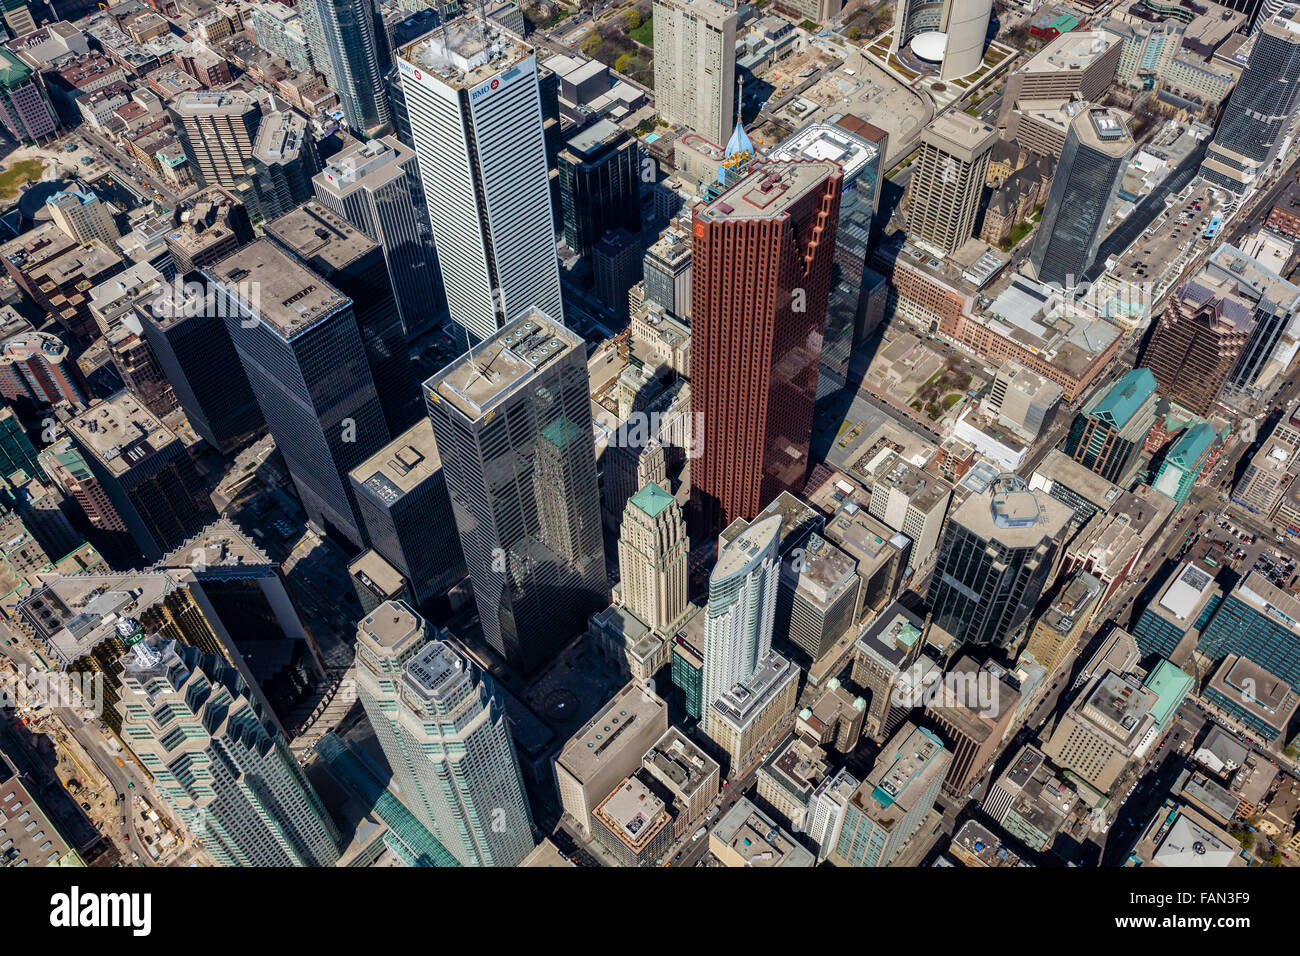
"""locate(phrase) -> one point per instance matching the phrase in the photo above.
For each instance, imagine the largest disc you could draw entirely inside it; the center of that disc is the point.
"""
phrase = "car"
(86, 807)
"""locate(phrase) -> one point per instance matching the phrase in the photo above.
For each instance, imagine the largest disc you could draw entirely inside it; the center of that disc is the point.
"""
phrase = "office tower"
(817, 596)
(215, 225)
(344, 46)
(1180, 612)
(755, 355)
(476, 118)
(1270, 473)
(17, 453)
(1184, 462)
(1103, 728)
(1021, 400)
(951, 37)
(518, 406)
(971, 708)
(354, 264)
(67, 468)
(376, 186)
(1108, 433)
(1082, 197)
(25, 108)
(218, 761)
(146, 473)
(847, 322)
(1258, 621)
(695, 66)
(83, 216)
(909, 500)
(595, 760)
(375, 581)
(401, 494)
(827, 806)
(886, 649)
(298, 340)
(652, 553)
(1059, 629)
(616, 262)
(189, 338)
(887, 809)
(741, 610)
(995, 559)
(284, 161)
(442, 727)
(686, 772)
(600, 185)
(1276, 304)
(1029, 800)
(1197, 342)
(36, 366)
(218, 130)
(666, 271)
(1260, 108)
(947, 181)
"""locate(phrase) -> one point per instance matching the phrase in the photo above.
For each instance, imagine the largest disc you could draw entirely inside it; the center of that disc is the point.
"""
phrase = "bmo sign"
(488, 87)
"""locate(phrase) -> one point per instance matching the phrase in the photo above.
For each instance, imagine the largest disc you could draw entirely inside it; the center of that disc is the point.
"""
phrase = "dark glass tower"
(354, 264)
(299, 343)
(194, 350)
(599, 185)
(1096, 152)
(401, 494)
(994, 561)
(512, 419)
(1260, 108)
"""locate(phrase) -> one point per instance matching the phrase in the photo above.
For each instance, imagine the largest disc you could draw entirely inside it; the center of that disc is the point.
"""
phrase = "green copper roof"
(1192, 445)
(1123, 399)
(12, 70)
(1170, 685)
(652, 500)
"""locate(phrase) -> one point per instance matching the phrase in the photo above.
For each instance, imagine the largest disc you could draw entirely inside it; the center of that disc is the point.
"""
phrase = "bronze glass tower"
(761, 270)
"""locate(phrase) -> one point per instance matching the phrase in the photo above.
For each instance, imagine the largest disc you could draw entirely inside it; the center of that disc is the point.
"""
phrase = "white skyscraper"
(742, 606)
(443, 731)
(476, 119)
(695, 66)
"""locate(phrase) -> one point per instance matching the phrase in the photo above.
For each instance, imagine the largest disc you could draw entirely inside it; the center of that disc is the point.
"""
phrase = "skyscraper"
(1261, 107)
(742, 607)
(890, 805)
(512, 419)
(444, 733)
(1082, 197)
(1198, 341)
(695, 65)
(218, 130)
(349, 259)
(652, 555)
(376, 186)
(476, 118)
(218, 761)
(994, 561)
(401, 494)
(146, 473)
(298, 341)
(760, 277)
(600, 185)
(1276, 304)
(194, 350)
(83, 216)
(284, 161)
(1107, 434)
(947, 181)
(345, 47)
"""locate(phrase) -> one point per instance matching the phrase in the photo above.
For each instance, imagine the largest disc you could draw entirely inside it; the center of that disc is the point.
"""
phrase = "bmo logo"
(485, 89)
